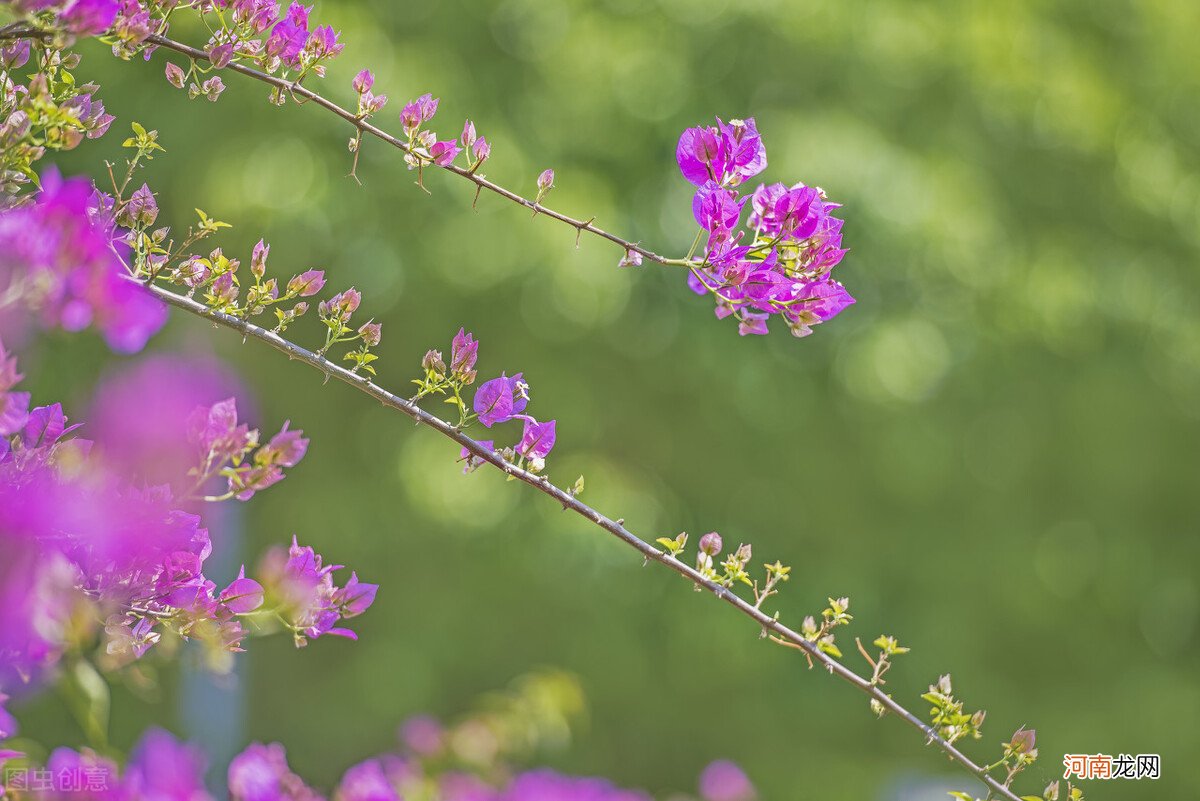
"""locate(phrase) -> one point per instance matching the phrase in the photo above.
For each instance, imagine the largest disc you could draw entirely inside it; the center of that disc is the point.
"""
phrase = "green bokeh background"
(993, 453)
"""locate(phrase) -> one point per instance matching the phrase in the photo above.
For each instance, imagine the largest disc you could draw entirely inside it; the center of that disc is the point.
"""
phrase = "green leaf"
(830, 649)
(138, 129)
(669, 543)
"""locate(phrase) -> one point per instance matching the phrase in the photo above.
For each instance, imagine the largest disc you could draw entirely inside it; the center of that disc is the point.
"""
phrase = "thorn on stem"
(580, 228)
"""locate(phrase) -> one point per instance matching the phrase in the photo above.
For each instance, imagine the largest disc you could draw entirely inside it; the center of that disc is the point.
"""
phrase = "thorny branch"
(361, 124)
(768, 623)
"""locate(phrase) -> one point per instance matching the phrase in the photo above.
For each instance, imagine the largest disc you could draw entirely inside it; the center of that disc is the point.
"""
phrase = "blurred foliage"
(993, 453)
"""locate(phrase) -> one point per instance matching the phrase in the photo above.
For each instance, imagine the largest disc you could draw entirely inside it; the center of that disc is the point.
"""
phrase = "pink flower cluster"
(231, 450)
(58, 257)
(785, 267)
(81, 547)
(161, 766)
(302, 592)
(426, 761)
(80, 17)
(273, 38)
(424, 146)
(496, 401)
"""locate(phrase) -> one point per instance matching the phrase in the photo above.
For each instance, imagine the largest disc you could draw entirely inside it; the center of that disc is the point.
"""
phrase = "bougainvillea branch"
(482, 452)
(79, 255)
(358, 121)
(785, 269)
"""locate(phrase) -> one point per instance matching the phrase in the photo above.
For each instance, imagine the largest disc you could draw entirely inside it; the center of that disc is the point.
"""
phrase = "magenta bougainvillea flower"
(464, 352)
(14, 406)
(537, 439)
(152, 446)
(501, 399)
(727, 154)
(301, 587)
(725, 781)
(444, 152)
(368, 781)
(716, 208)
(58, 245)
(290, 35)
(75, 534)
(160, 766)
(89, 17)
(261, 773)
(418, 112)
(795, 240)
(223, 447)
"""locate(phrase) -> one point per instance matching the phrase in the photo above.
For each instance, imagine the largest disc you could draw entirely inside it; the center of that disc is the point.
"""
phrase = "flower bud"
(258, 259)
(743, 553)
(545, 181)
(224, 290)
(15, 54)
(372, 103)
(1023, 741)
(348, 301)
(444, 153)
(220, 55)
(464, 351)
(710, 543)
(15, 127)
(432, 363)
(213, 87)
(410, 118)
(631, 259)
(306, 284)
(417, 112)
(194, 271)
(363, 82)
(371, 333)
(482, 149)
(141, 209)
(468, 135)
